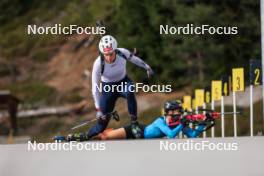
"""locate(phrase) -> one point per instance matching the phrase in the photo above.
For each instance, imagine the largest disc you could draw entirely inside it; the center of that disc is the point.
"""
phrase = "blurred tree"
(189, 59)
(183, 59)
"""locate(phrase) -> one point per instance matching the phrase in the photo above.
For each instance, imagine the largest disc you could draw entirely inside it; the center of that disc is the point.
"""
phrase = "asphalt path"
(218, 156)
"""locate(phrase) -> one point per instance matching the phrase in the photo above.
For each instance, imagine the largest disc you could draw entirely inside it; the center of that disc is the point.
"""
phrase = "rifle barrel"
(229, 113)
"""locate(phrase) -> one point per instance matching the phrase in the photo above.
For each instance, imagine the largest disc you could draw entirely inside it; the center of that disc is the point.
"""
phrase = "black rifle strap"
(118, 52)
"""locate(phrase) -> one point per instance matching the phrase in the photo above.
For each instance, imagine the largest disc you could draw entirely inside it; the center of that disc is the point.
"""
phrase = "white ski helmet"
(107, 44)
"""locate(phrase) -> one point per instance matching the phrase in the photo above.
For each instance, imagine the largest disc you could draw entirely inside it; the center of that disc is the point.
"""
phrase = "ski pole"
(113, 114)
(83, 124)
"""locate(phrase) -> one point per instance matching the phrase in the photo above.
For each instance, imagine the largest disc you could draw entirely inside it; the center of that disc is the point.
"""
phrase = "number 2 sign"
(255, 72)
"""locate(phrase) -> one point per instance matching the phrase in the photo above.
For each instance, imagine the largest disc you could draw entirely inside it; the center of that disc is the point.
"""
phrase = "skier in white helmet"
(110, 69)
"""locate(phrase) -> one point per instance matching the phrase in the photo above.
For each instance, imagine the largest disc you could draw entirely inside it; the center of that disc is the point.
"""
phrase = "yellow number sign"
(216, 90)
(187, 102)
(238, 79)
(199, 97)
(207, 92)
(255, 72)
(225, 85)
(193, 103)
(162, 111)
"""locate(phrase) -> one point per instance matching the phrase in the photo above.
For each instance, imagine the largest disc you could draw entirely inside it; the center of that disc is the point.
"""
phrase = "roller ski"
(79, 137)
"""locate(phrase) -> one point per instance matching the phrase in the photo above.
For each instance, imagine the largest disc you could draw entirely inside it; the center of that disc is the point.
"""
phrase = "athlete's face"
(170, 115)
(110, 57)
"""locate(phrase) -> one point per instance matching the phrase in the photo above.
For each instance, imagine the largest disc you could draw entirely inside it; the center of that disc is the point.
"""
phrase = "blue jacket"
(159, 129)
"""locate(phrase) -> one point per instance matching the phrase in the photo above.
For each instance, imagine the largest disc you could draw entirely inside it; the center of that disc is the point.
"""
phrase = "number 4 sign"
(225, 85)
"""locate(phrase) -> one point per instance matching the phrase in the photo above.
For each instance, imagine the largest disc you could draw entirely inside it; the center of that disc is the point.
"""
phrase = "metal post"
(191, 125)
(235, 116)
(212, 129)
(262, 52)
(180, 135)
(251, 110)
(222, 117)
(196, 110)
(204, 112)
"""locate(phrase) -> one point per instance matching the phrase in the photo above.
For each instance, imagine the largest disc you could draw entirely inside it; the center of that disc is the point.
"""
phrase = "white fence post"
(235, 116)
(222, 117)
(212, 129)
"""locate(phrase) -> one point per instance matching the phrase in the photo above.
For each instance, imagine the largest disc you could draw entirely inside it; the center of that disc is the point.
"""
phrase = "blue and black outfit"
(159, 129)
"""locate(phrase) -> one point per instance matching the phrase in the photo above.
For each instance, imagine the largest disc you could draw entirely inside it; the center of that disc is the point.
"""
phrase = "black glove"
(136, 130)
(208, 117)
(103, 118)
(184, 121)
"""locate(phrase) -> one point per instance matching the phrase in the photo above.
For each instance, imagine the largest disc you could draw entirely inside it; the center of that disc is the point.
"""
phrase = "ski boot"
(77, 137)
(59, 138)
